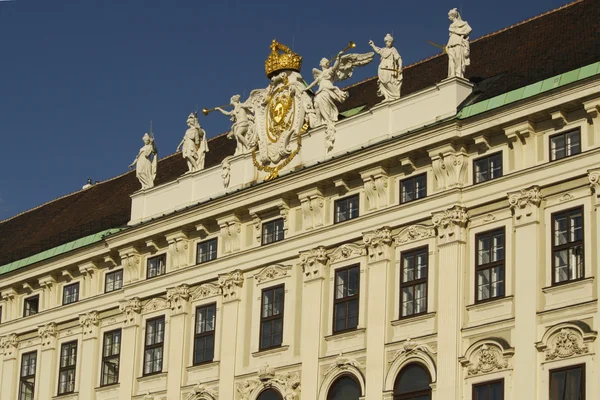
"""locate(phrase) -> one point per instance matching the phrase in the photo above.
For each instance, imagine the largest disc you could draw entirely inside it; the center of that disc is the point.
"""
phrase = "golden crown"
(280, 61)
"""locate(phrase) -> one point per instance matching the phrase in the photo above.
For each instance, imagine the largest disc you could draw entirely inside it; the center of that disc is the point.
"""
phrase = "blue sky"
(81, 79)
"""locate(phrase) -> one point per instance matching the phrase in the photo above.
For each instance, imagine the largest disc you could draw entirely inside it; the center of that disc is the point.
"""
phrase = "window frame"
(111, 357)
(263, 242)
(414, 282)
(155, 345)
(412, 179)
(568, 245)
(564, 133)
(106, 280)
(488, 157)
(487, 383)
(346, 299)
(207, 242)
(77, 288)
(204, 334)
(23, 378)
(346, 199)
(271, 318)
(156, 257)
(489, 265)
(566, 368)
(27, 300)
(67, 368)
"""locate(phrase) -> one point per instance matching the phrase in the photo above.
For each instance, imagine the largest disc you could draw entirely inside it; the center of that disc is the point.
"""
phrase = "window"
(156, 266)
(346, 209)
(27, 381)
(71, 293)
(272, 231)
(345, 303)
(565, 145)
(567, 246)
(31, 306)
(412, 383)
(271, 317)
(206, 251)
(68, 361)
(568, 383)
(153, 348)
(0, 315)
(489, 269)
(111, 351)
(270, 394)
(487, 168)
(113, 281)
(413, 282)
(344, 388)
(204, 336)
(489, 390)
(413, 188)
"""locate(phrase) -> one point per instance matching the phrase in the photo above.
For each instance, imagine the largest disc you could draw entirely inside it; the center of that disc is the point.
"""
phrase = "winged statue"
(328, 95)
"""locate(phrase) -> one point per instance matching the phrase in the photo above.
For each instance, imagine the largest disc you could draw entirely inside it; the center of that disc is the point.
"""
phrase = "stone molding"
(314, 263)
(378, 243)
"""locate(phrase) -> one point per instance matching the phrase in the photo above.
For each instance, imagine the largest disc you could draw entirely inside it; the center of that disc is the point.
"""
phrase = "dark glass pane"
(344, 388)
(412, 378)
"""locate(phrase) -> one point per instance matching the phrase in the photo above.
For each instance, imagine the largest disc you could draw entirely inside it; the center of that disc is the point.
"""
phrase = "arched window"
(344, 388)
(413, 383)
(270, 394)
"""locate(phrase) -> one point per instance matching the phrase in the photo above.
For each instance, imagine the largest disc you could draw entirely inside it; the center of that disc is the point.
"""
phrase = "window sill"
(151, 377)
(67, 396)
(203, 366)
(270, 351)
(568, 285)
(416, 318)
(491, 303)
(345, 334)
(108, 388)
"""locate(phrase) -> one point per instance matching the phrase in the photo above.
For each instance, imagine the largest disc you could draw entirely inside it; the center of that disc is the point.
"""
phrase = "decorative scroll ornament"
(48, 334)
(201, 392)
(450, 222)
(344, 363)
(313, 262)
(594, 178)
(205, 290)
(566, 343)
(409, 347)
(231, 284)
(347, 250)
(525, 198)
(130, 308)
(414, 232)
(177, 297)
(9, 344)
(155, 304)
(272, 272)
(487, 359)
(378, 242)
(286, 383)
(266, 373)
(88, 322)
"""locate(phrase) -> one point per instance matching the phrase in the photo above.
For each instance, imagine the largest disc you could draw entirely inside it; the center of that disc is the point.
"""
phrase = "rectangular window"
(345, 301)
(206, 251)
(27, 381)
(413, 282)
(113, 281)
(489, 390)
(272, 231)
(204, 334)
(567, 246)
(413, 188)
(489, 265)
(31, 306)
(156, 266)
(68, 362)
(565, 145)
(271, 317)
(568, 383)
(111, 351)
(487, 168)
(346, 209)
(71, 293)
(153, 347)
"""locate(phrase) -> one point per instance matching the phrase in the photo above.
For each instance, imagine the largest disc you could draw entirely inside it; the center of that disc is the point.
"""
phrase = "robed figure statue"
(458, 48)
(194, 144)
(390, 69)
(146, 162)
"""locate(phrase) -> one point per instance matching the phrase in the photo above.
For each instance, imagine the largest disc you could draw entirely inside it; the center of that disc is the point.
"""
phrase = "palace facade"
(445, 248)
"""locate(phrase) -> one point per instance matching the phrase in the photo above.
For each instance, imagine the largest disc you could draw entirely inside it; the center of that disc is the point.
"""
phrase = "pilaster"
(48, 378)
(449, 163)
(130, 309)
(376, 182)
(231, 286)
(10, 366)
(178, 298)
(451, 229)
(9, 295)
(378, 244)
(525, 206)
(89, 323)
(314, 265)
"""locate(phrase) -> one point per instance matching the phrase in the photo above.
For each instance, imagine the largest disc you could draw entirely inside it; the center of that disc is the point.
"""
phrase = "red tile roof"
(541, 47)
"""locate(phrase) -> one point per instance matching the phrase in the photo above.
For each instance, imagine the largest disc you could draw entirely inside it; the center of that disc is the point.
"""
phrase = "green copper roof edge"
(55, 251)
(530, 90)
(352, 112)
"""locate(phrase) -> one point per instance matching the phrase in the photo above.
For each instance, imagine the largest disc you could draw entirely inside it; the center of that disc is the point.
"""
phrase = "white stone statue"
(146, 162)
(242, 129)
(390, 69)
(328, 94)
(458, 48)
(194, 144)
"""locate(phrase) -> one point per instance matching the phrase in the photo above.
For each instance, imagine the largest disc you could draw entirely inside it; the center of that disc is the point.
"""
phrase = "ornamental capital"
(230, 284)
(451, 223)
(378, 243)
(88, 322)
(131, 308)
(9, 345)
(525, 202)
(177, 297)
(314, 262)
(48, 334)
(594, 178)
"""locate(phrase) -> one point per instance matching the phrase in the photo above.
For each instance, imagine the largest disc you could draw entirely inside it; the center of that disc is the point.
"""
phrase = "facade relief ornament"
(288, 384)
(131, 309)
(376, 183)
(378, 243)
(410, 347)
(525, 202)
(178, 298)
(130, 260)
(566, 343)
(485, 358)
(313, 205)
(594, 178)
(178, 249)
(205, 290)
(449, 164)
(226, 171)
(155, 304)
(414, 232)
(230, 228)
(48, 334)
(231, 285)
(9, 345)
(272, 272)
(346, 251)
(314, 263)
(451, 223)
(343, 363)
(89, 322)
(201, 392)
